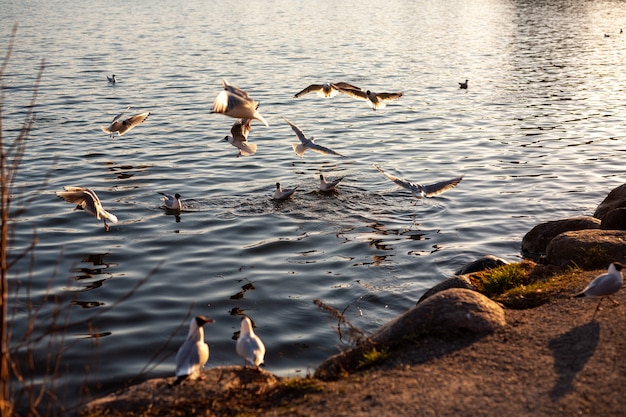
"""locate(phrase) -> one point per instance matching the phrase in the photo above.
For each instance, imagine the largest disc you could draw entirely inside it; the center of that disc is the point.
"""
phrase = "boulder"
(481, 264)
(460, 281)
(615, 200)
(587, 249)
(536, 241)
(615, 219)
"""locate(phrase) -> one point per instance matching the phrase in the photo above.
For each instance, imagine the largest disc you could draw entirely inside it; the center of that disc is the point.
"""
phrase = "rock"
(460, 281)
(587, 249)
(615, 219)
(481, 264)
(615, 200)
(536, 241)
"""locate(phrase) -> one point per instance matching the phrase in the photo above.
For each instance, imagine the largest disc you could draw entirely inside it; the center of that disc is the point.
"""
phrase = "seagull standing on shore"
(306, 143)
(283, 194)
(326, 186)
(375, 100)
(86, 199)
(604, 285)
(171, 202)
(249, 346)
(235, 102)
(239, 139)
(123, 126)
(419, 190)
(326, 90)
(194, 352)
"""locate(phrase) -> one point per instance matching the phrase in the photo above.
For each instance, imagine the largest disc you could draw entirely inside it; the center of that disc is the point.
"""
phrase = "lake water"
(538, 136)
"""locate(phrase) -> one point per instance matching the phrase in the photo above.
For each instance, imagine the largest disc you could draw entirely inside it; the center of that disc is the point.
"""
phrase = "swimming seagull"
(249, 346)
(375, 100)
(112, 79)
(306, 143)
(194, 352)
(171, 202)
(463, 85)
(281, 194)
(328, 185)
(123, 126)
(235, 102)
(419, 190)
(604, 285)
(327, 89)
(239, 139)
(86, 199)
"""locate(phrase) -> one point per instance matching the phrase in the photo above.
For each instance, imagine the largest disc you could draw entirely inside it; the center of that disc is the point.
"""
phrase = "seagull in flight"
(237, 103)
(171, 202)
(326, 90)
(283, 194)
(306, 143)
(419, 190)
(112, 79)
(239, 139)
(375, 100)
(604, 285)
(249, 346)
(86, 199)
(123, 126)
(194, 352)
(326, 186)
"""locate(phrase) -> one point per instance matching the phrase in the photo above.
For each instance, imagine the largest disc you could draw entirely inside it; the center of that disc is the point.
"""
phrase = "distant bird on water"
(239, 139)
(123, 126)
(193, 353)
(237, 103)
(604, 285)
(283, 194)
(419, 190)
(463, 86)
(171, 202)
(306, 143)
(326, 90)
(375, 100)
(112, 79)
(326, 186)
(86, 199)
(249, 346)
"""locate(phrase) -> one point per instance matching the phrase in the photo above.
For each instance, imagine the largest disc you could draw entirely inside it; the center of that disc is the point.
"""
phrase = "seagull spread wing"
(440, 187)
(389, 96)
(310, 89)
(299, 133)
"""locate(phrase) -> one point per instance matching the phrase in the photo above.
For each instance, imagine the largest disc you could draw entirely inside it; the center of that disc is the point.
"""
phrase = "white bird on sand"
(86, 199)
(235, 102)
(327, 89)
(306, 143)
(463, 85)
(328, 185)
(249, 346)
(375, 100)
(604, 285)
(194, 352)
(112, 79)
(239, 139)
(419, 190)
(123, 126)
(171, 202)
(281, 194)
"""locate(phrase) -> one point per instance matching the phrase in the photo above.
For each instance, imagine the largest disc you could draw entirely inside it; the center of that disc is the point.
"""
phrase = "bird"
(281, 194)
(419, 190)
(194, 352)
(328, 185)
(326, 90)
(123, 126)
(171, 202)
(112, 79)
(86, 199)
(375, 100)
(239, 138)
(604, 285)
(249, 346)
(235, 102)
(306, 143)
(463, 86)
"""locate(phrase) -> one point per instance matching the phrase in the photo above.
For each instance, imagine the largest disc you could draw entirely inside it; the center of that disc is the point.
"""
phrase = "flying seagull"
(239, 139)
(327, 89)
(281, 194)
(375, 100)
(419, 190)
(112, 79)
(249, 346)
(604, 285)
(328, 185)
(123, 126)
(235, 102)
(171, 202)
(306, 143)
(193, 353)
(86, 199)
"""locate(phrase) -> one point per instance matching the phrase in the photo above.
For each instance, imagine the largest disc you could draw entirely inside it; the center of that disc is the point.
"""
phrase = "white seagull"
(604, 285)
(419, 190)
(112, 79)
(194, 352)
(306, 143)
(328, 185)
(235, 102)
(123, 126)
(281, 194)
(86, 199)
(171, 202)
(249, 346)
(375, 100)
(326, 90)
(239, 139)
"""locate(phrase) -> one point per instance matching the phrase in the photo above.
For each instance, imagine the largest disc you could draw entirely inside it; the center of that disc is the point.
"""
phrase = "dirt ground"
(552, 360)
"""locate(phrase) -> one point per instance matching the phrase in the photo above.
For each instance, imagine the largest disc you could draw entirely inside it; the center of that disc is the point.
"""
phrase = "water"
(538, 136)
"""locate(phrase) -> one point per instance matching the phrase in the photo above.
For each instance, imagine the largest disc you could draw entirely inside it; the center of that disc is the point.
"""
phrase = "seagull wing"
(116, 118)
(132, 122)
(440, 187)
(389, 96)
(299, 133)
(354, 93)
(240, 129)
(188, 360)
(341, 85)
(400, 181)
(321, 149)
(310, 89)
(235, 90)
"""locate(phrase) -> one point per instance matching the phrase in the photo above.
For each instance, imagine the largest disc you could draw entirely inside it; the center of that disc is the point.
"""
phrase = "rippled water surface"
(538, 136)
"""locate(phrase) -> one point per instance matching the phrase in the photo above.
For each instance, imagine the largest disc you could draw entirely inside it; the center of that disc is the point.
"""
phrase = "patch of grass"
(373, 356)
(496, 281)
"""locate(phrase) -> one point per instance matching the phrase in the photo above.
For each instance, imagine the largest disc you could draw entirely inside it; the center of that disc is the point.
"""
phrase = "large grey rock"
(587, 249)
(616, 199)
(481, 264)
(615, 219)
(536, 241)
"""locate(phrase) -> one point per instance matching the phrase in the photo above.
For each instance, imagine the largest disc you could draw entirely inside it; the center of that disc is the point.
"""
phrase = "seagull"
(235, 102)
(86, 199)
(375, 100)
(419, 190)
(249, 346)
(171, 202)
(327, 89)
(463, 85)
(239, 138)
(306, 143)
(281, 194)
(194, 352)
(328, 185)
(604, 285)
(123, 126)
(112, 79)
